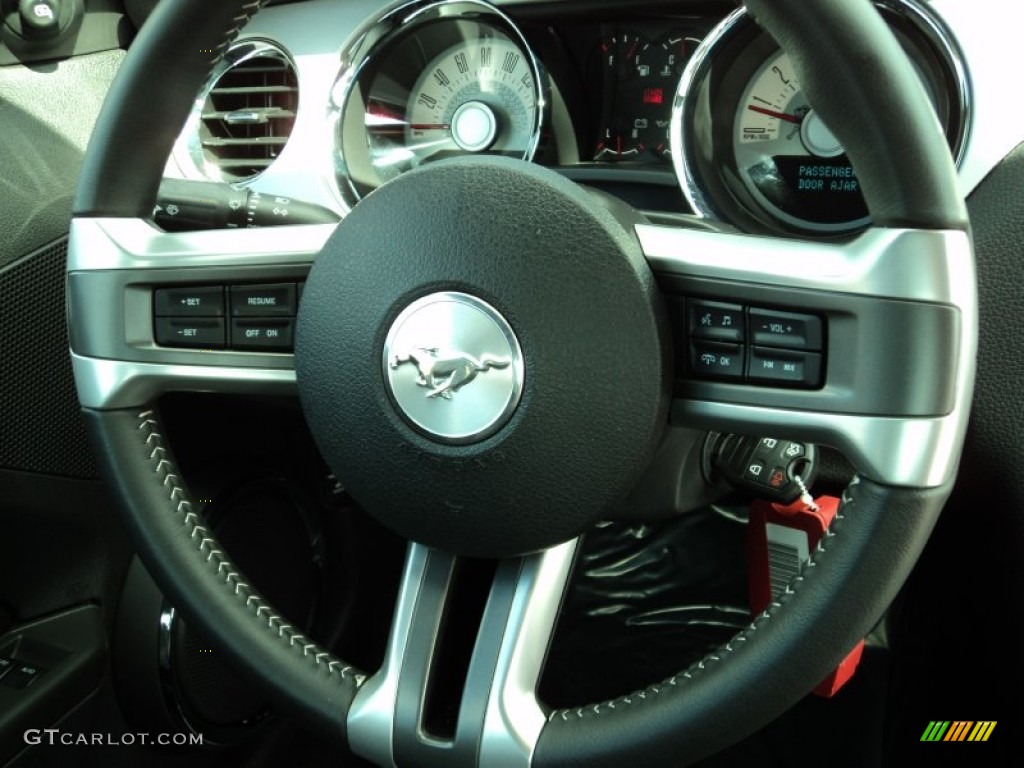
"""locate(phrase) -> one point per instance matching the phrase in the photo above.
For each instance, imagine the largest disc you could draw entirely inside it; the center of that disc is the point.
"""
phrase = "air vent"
(248, 113)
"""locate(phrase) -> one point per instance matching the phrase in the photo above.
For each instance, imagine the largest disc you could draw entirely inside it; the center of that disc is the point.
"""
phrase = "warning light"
(654, 95)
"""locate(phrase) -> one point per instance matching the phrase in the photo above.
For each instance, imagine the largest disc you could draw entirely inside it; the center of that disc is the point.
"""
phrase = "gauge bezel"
(376, 38)
(703, 119)
(188, 152)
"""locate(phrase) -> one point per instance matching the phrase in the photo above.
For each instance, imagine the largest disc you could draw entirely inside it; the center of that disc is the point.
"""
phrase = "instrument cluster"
(674, 112)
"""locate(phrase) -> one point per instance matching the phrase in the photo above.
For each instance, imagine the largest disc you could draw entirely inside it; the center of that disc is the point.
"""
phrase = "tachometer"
(433, 80)
(788, 158)
(750, 149)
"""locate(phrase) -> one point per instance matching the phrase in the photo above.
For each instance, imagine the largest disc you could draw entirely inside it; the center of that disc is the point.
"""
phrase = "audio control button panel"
(751, 345)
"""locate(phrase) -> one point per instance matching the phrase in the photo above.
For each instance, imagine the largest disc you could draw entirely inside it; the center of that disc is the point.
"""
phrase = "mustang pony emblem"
(446, 374)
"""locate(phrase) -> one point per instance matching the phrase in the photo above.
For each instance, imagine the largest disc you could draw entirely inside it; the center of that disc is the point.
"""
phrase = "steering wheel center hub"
(440, 419)
(453, 367)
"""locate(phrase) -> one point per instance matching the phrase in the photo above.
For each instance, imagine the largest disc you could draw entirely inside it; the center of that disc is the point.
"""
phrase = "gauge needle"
(429, 126)
(772, 113)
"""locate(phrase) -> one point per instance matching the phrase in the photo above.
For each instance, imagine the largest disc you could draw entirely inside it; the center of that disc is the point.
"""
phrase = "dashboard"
(675, 108)
(334, 99)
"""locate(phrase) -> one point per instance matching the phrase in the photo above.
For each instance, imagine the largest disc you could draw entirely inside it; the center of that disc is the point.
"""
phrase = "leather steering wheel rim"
(850, 65)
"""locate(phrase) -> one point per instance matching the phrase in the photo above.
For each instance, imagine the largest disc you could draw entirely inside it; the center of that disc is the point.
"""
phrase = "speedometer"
(477, 96)
(432, 80)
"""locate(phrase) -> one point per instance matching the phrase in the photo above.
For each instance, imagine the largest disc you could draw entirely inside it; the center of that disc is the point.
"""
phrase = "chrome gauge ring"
(751, 150)
(432, 80)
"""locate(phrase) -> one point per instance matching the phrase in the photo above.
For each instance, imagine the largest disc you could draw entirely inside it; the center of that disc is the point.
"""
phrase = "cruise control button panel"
(244, 317)
(753, 345)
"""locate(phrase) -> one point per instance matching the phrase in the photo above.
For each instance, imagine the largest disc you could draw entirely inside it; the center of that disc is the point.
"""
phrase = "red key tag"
(780, 540)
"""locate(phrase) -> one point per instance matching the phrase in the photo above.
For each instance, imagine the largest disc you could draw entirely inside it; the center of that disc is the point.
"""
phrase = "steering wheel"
(538, 441)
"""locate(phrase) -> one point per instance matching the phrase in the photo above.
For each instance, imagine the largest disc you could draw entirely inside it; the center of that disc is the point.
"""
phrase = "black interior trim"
(203, 582)
(879, 530)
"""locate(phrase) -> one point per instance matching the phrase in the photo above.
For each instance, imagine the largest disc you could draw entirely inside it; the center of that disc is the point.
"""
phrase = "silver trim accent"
(169, 688)
(513, 717)
(910, 453)
(921, 15)
(694, 71)
(371, 726)
(109, 243)
(912, 265)
(110, 384)
(164, 653)
(480, 382)
(311, 32)
(931, 24)
(367, 42)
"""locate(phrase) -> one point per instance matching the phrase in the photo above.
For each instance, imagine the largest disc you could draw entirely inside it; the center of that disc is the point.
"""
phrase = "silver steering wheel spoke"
(898, 312)
(500, 718)
(115, 268)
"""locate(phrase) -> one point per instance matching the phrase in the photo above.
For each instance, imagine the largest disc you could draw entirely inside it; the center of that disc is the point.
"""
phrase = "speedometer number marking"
(511, 62)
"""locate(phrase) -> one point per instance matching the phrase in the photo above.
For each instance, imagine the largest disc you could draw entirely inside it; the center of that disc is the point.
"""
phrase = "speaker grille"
(42, 427)
(272, 534)
(212, 689)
